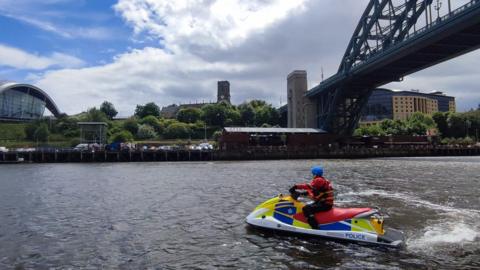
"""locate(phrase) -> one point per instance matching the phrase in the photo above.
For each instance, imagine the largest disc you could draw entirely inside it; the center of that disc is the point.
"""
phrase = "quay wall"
(62, 156)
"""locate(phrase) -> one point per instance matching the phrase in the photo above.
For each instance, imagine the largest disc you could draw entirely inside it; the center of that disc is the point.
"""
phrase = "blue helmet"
(317, 171)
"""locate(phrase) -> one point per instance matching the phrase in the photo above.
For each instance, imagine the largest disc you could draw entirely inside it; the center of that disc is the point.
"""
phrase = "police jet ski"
(284, 213)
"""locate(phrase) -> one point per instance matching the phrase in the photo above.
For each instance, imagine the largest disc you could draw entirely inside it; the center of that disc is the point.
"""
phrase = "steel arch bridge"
(393, 39)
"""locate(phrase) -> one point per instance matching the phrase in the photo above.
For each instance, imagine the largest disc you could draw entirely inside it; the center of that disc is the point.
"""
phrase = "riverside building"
(394, 104)
(24, 102)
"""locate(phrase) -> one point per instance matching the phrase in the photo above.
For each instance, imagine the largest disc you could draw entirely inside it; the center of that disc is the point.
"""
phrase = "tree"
(215, 114)
(30, 130)
(266, 115)
(256, 103)
(41, 133)
(440, 119)
(456, 125)
(189, 115)
(122, 136)
(372, 130)
(95, 115)
(131, 125)
(146, 132)
(393, 127)
(375, 130)
(233, 117)
(148, 109)
(67, 126)
(108, 109)
(153, 122)
(247, 114)
(419, 123)
(177, 131)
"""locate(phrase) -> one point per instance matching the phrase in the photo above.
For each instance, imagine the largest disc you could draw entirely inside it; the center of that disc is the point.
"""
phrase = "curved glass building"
(24, 102)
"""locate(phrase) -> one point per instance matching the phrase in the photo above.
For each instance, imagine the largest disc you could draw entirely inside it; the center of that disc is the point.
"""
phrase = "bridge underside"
(341, 100)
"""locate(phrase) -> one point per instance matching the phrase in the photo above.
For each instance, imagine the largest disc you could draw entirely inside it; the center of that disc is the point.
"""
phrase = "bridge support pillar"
(301, 110)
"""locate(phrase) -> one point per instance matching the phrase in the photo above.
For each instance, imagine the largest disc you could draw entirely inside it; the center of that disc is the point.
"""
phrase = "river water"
(191, 215)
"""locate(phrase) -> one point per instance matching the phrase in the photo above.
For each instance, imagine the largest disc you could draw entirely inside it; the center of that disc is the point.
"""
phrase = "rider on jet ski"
(319, 190)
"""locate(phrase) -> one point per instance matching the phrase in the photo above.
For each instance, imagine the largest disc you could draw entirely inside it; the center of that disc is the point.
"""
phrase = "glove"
(295, 195)
(292, 189)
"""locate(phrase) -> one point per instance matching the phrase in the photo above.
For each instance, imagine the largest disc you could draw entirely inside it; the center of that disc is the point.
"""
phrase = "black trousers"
(309, 211)
(315, 207)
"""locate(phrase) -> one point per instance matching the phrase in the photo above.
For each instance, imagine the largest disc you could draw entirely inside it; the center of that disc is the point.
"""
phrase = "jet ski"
(284, 213)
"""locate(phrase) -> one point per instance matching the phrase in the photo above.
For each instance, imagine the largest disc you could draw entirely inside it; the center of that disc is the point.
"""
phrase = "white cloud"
(179, 73)
(16, 58)
(253, 44)
(133, 78)
(222, 23)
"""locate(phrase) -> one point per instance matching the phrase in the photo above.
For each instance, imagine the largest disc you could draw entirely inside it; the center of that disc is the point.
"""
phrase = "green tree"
(146, 132)
(393, 127)
(376, 130)
(215, 114)
(67, 126)
(95, 115)
(247, 114)
(131, 125)
(153, 122)
(41, 133)
(456, 125)
(122, 136)
(266, 115)
(233, 117)
(189, 115)
(440, 119)
(108, 109)
(256, 103)
(177, 130)
(372, 130)
(217, 134)
(148, 109)
(361, 131)
(419, 123)
(30, 130)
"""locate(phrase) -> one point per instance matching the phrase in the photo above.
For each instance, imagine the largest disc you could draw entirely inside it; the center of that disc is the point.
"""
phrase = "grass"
(12, 135)
(10, 131)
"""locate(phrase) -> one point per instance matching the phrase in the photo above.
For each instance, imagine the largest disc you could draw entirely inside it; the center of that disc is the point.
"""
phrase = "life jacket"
(319, 190)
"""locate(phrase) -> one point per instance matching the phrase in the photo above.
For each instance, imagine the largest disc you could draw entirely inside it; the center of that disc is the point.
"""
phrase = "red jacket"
(319, 190)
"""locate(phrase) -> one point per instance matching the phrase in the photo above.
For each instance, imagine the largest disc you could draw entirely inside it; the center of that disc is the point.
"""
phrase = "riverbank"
(66, 156)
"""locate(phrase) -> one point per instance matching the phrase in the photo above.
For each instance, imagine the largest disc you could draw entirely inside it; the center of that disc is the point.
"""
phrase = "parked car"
(25, 149)
(81, 147)
(3, 149)
(205, 146)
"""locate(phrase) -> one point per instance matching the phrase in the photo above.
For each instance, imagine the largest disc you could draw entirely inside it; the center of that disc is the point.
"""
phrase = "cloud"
(210, 23)
(253, 44)
(136, 77)
(16, 58)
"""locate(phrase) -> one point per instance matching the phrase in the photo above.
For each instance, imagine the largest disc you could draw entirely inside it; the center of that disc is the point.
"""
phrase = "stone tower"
(301, 110)
(223, 92)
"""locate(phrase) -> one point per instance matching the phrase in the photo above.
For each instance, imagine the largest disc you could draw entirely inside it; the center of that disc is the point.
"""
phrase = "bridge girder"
(389, 43)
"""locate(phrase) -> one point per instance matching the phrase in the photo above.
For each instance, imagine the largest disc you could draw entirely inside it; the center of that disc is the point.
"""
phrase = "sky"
(129, 52)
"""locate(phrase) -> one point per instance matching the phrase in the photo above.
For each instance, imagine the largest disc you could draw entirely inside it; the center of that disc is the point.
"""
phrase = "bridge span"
(391, 41)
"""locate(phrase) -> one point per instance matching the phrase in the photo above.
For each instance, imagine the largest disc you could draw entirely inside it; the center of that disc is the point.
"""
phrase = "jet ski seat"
(333, 215)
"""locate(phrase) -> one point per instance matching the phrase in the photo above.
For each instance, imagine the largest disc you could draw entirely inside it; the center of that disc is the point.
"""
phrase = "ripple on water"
(191, 215)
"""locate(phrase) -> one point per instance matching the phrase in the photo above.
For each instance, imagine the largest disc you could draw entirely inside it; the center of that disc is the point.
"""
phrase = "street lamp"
(437, 7)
